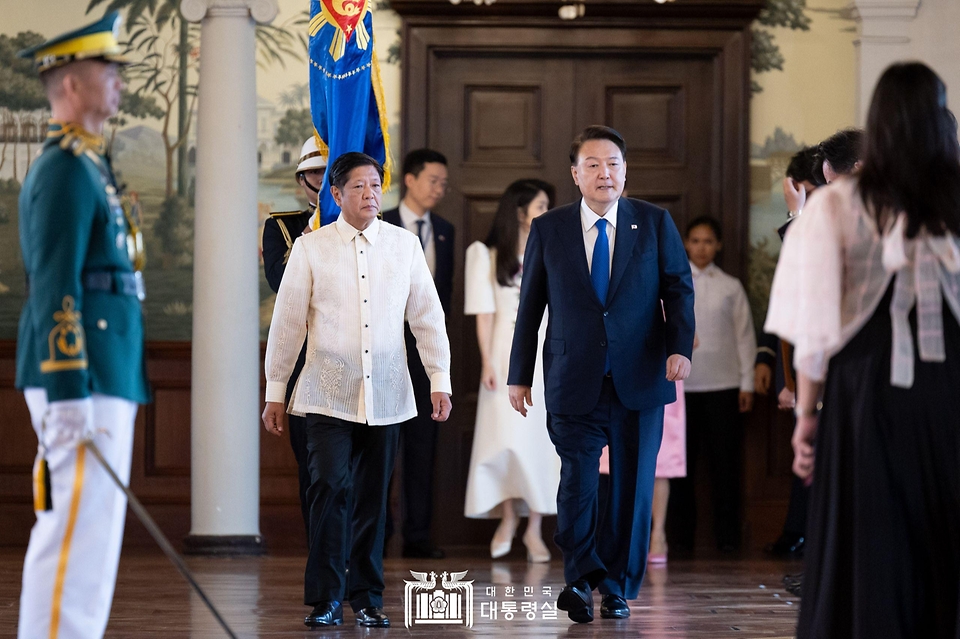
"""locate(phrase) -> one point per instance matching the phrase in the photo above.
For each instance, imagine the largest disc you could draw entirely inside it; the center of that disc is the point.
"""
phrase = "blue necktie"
(600, 266)
(423, 242)
(600, 271)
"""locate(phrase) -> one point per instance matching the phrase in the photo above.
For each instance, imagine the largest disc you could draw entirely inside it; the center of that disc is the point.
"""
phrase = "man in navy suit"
(425, 183)
(612, 353)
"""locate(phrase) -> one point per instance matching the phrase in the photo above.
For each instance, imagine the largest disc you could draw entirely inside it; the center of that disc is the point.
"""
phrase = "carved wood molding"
(679, 14)
(902, 10)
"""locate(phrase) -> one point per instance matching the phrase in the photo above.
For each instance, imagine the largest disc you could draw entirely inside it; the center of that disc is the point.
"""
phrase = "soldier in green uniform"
(280, 231)
(80, 352)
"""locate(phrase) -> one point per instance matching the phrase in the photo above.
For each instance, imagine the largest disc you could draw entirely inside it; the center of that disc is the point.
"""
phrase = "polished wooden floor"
(260, 597)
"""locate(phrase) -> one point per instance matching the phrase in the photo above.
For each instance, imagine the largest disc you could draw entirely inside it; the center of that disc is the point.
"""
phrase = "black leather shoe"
(422, 550)
(614, 607)
(793, 584)
(325, 613)
(372, 618)
(577, 600)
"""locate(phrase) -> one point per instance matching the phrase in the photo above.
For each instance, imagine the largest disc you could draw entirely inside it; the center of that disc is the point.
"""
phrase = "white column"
(225, 404)
(884, 27)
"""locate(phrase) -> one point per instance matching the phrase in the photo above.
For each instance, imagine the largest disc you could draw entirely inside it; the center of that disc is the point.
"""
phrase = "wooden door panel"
(500, 120)
(663, 106)
(502, 97)
(502, 125)
(651, 117)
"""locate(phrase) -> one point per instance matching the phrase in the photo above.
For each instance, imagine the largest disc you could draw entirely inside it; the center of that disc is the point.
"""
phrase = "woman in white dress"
(514, 468)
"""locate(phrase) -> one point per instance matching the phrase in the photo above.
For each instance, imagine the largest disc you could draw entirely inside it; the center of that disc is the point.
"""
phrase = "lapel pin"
(633, 227)
(441, 238)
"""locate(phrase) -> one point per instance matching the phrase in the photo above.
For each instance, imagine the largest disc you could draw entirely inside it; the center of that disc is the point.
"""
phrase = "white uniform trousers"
(71, 565)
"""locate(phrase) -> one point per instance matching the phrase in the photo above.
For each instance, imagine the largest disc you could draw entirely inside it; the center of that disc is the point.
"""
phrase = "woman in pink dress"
(671, 463)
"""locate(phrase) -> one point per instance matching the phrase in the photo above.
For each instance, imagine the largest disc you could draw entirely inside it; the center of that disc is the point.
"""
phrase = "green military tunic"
(81, 330)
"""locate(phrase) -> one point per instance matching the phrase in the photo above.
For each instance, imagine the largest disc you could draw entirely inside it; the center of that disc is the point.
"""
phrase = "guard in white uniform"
(80, 353)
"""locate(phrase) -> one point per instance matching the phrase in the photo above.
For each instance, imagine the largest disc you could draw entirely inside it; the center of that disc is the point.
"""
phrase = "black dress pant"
(714, 423)
(418, 447)
(347, 458)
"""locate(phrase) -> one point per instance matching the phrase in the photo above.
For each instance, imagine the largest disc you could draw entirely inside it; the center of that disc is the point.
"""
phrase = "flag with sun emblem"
(346, 94)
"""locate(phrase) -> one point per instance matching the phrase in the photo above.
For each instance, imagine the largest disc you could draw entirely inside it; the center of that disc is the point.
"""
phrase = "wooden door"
(663, 107)
(502, 95)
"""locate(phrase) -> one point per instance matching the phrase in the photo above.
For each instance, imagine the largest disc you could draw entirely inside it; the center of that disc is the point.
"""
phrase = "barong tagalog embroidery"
(66, 342)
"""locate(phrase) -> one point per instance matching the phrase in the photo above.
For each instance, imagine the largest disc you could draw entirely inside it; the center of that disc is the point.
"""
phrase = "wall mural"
(803, 91)
(153, 138)
(804, 86)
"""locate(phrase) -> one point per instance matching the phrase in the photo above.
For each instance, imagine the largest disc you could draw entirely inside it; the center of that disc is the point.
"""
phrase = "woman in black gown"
(868, 288)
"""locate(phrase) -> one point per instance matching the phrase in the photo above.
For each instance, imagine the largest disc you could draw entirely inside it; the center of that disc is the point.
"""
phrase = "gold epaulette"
(76, 139)
(285, 213)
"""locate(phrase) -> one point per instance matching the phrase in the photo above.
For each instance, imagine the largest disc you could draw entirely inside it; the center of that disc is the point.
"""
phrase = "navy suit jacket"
(443, 242)
(649, 265)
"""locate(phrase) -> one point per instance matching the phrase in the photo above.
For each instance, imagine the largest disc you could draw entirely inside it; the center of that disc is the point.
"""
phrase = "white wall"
(897, 30)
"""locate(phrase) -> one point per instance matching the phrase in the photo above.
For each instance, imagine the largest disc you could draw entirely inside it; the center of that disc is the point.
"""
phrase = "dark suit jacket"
(649, 265)
(443, 242)
(280, 231)
(769, 348)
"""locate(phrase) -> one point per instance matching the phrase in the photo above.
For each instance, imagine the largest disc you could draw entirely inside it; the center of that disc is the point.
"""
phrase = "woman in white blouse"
(868, 290)
(717, 392)
(514, 468)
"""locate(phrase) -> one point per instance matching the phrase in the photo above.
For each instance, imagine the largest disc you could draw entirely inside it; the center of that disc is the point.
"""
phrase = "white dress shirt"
(588, 222)
(728, 345)
(409, 220)
(354, 289)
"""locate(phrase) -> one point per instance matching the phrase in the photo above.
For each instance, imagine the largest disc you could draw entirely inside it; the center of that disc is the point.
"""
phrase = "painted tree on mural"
(764, 53)
(168, 51)
(163, 14)
(21, 95)
(163, 85)
(296, 97)
(296, 125)
(156, 73)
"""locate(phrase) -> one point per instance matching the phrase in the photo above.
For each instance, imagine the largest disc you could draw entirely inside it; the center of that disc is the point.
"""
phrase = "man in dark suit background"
(425, 183)
(610, 359)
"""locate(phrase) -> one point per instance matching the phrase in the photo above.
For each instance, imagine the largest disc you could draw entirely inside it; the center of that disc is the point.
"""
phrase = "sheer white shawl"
(834, 269)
